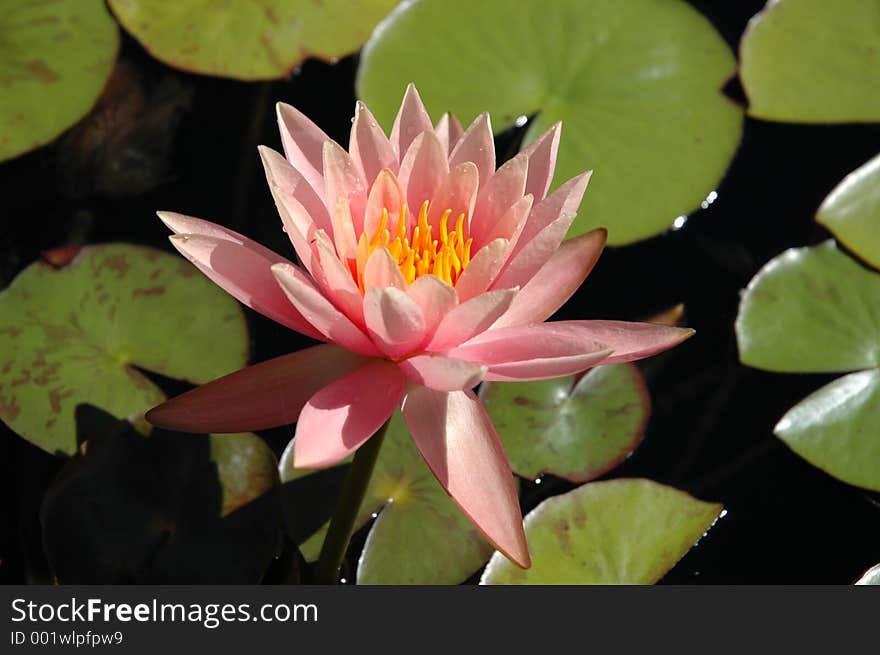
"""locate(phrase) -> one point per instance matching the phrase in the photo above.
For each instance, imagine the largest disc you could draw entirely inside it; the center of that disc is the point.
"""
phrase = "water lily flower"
(426, 271)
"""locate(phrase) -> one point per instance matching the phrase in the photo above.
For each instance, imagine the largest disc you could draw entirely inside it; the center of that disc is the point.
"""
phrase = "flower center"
(419, 251)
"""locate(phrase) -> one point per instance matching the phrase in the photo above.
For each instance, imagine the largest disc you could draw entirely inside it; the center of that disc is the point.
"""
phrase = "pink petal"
(343, 230)
(381, 270)
(630, 341)
(343, 415)
(338, 284)
(370, 149)
(477, 145)
(462, 449)
(458, 193)
(449, 131)
(504, 188)
(299, 227)
(279, 173)
(542, 161)
(412, 119)
(522, 266)
(533, 352)
(385, 193)
(303, 143)
(470, 319)
(564, 201)
(262, 396)
(435, 297)
(394, 320)
(556, 281)
(511, 223)
(243, 270)
(343, 180)
(443, 373)
(482, 270)
(422, 171)
(320, 312)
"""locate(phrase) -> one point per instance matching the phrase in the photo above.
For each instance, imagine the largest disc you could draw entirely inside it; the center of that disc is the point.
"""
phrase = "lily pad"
(852, 212)
(165, 509)
(836, 428)
(55, 58)
(811, 310)
(574, 428)
(612, 532)
(248, 40)
(636, 84)
(813, 61)
(79, 335)
(871, 577)
(419, 536)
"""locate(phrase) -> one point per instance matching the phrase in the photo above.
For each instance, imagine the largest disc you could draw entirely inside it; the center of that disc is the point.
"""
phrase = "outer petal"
(412, 119)
(458, 192)
(533, 352)
(422, 171)
(345, 413)
(382, 271)
(477, 145)
(338, 284)
(394, 320)
(303, 143)
(291, 184)
(521, 266)
(470, 319)
(482, 270)
(262, 396)
(343, 180)
(343, 230)
(630, 341)
(564, 201)
(511, 223)
(542, 161)
(320, 312)
(443, 373)
(370, 149)
(504, 188)
(462, 449)
(243, 270)
(435, 297)
(556, 281)
(449, 131)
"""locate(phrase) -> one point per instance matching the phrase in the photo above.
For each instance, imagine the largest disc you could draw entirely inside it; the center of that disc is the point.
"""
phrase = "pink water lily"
(426, 271)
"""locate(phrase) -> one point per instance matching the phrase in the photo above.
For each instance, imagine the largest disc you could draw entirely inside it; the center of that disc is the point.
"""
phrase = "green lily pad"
(165, 509)
(813, 61)
(574, 428)
(419, 536)
(636, 84)
(871, 577)
(852, 212)
(55, 58)
(611, 532)
(248, 40)
(836, 429)
(811, 310)
(79, 335)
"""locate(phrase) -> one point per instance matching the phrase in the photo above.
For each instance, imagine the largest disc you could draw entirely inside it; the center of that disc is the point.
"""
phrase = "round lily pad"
(574, 428)
(871, 577)
(852, 212)
(636, 84)
(248, 40)
(419, 536)
(836, 428)
(165, 509)
(55, 58)
(613, 532)
(811, 310)
(79, 334)
(813, 61)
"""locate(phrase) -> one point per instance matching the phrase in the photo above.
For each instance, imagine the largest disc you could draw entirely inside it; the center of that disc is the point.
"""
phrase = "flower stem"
(347, 507)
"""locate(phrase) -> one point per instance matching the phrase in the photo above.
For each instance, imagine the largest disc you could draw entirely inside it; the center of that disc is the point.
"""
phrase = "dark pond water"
(711, 431)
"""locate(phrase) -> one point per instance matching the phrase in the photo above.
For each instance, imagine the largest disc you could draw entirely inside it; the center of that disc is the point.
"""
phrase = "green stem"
(345, 514)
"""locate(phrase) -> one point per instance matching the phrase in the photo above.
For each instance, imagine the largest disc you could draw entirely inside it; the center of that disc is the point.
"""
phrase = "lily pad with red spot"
(248, 40)
(419, 536)
(55, 57)
(83, 332)
(576, 427)
(628, 531)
